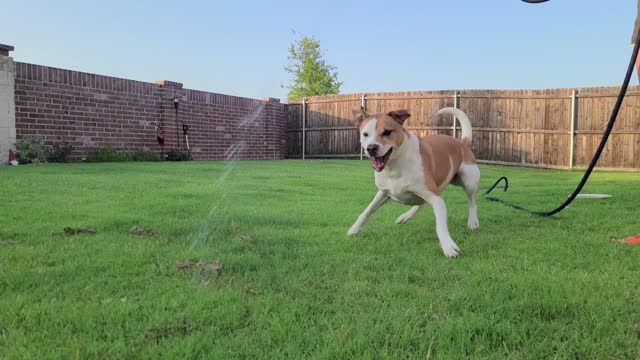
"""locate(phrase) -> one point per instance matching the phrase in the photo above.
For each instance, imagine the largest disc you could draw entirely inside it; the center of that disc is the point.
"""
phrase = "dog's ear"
(358, 115)
(400, 115)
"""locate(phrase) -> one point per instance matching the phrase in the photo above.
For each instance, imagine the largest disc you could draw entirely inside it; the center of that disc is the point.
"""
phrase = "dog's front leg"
(376, 203)
(447, 244)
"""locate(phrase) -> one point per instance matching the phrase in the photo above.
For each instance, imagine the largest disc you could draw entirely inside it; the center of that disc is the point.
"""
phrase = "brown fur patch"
(400, 115)
(442, 156)
(389, 131)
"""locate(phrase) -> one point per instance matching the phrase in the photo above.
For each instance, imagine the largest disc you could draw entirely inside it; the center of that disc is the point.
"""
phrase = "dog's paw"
(353, 231)
(403, 218)
(451, 250)
(473, 224)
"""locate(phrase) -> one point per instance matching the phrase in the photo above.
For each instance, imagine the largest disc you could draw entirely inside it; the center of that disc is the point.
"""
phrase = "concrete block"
(7, 107)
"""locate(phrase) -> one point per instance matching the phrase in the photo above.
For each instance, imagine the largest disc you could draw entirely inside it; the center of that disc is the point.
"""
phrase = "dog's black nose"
(372, 149)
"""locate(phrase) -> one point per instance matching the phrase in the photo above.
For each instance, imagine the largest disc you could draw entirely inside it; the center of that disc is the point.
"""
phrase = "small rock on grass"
(184, 265)
(203, 267)
(69, 231)
(209, 267)
(136, 230)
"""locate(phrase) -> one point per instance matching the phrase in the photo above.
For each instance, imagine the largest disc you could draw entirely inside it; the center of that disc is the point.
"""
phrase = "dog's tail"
(465, 124)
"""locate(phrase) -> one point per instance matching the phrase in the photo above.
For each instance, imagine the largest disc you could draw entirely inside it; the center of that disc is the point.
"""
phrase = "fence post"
(574, 120)
(304, 127)
(456, 97)
(363, 104)
(7, 101)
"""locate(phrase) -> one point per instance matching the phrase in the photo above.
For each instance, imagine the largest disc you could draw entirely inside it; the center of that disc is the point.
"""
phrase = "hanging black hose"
(502, 178)
(594, 161)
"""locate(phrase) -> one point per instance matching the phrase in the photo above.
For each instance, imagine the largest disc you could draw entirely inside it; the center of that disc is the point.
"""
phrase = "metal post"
(176, 103)
(574, 121)
(363, 103)
(304, 127)
(456, 96)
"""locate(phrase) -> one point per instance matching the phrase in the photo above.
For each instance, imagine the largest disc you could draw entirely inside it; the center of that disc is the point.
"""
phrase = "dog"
(414, 170)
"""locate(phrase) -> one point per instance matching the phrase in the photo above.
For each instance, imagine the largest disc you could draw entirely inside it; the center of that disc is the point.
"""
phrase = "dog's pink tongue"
(377, 163)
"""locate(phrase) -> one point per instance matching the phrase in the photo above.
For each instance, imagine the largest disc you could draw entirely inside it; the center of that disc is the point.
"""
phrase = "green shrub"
(31, 150)
(178, 155)
(59, 153)
(107, 154)
(145, 155)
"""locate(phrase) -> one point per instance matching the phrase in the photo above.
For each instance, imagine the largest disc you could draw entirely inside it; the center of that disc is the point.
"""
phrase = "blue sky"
(240, 47)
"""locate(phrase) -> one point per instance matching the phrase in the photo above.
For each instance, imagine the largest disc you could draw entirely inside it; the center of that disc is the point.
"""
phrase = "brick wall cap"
(168, 83)
(270, 99)
(4, 49)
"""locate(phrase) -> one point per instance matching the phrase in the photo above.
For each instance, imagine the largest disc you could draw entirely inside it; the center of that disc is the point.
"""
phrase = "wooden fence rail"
(554, 128)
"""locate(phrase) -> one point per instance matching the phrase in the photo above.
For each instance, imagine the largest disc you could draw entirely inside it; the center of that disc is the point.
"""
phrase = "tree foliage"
(312, 75)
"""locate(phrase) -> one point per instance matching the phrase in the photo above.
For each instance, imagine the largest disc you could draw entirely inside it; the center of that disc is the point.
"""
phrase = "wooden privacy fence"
(553, 128)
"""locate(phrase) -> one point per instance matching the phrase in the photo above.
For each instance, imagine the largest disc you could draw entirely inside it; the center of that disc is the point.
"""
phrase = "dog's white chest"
(399, 189)
(404, 178)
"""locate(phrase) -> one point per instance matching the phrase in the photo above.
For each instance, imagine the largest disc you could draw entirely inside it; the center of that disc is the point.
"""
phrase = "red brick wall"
(89, 110)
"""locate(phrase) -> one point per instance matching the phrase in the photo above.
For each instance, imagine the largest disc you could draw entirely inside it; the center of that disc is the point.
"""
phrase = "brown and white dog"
(415, 170)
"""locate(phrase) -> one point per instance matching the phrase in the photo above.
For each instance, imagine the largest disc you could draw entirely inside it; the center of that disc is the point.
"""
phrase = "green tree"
(312, 75)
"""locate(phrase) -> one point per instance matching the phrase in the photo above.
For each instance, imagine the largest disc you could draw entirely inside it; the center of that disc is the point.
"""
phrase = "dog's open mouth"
(380, 162)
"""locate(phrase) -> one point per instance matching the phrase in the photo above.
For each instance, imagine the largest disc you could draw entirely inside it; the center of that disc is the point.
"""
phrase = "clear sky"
(240, 47)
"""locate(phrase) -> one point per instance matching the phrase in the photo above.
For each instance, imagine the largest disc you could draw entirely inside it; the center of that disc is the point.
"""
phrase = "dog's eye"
(386, 133)
(365, 134)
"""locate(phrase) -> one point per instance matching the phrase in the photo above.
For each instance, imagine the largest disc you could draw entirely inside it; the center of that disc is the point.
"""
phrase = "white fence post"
(363, 104)
(304, 127)
(7, 104)
(456, 96)
(574, 121)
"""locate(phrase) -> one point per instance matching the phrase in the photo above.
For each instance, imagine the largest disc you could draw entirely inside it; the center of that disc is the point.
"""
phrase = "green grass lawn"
(293, 285)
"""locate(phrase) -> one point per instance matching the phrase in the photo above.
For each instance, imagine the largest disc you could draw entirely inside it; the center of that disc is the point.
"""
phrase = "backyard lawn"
(292, 283)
